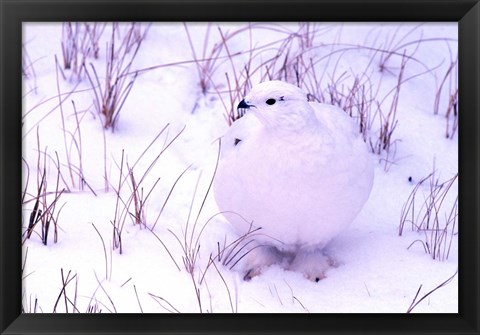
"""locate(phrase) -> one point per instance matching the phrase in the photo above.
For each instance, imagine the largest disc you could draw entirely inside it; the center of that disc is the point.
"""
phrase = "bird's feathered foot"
(312, 264)
(258, 259)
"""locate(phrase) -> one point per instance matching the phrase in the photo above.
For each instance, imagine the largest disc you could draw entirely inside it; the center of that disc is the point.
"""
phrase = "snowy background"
(117, 213)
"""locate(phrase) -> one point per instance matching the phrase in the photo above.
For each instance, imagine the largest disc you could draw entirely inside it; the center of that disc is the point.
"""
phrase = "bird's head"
(279, 105)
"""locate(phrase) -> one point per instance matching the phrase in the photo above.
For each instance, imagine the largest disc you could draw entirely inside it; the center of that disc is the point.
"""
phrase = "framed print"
(241, 167)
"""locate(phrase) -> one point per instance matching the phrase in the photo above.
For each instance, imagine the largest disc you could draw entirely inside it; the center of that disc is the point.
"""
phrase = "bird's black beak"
(243, 104)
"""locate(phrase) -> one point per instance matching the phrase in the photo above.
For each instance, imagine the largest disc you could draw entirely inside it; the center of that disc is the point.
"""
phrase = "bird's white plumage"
(297, 169)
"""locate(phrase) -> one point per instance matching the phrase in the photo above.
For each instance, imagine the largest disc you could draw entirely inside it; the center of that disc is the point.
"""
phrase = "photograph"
(240, 167)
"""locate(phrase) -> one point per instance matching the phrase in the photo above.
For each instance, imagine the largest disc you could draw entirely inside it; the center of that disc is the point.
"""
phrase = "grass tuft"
(431, 217)
(112, 91)
(80, 41)
(44, 211)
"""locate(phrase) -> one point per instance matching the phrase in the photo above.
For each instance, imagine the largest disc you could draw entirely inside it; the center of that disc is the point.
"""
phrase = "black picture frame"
(14, 12)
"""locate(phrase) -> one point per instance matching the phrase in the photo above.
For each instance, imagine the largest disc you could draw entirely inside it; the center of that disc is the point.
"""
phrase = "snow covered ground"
(152, 253)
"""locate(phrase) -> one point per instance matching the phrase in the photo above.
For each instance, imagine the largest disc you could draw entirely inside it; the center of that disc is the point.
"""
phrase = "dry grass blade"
(161, 300)
(60, 104)
(104, 253)
(28, 307)
(138, 299)
(225, 284)
(108, 296)
(169, 195)
(63, 292)
(415, 302)
(63, 97)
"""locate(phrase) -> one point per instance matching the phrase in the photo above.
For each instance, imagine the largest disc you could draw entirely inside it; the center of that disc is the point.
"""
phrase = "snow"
(377, 271)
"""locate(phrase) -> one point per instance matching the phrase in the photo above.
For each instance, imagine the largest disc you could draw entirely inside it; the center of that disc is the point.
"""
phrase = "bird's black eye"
(270, 101)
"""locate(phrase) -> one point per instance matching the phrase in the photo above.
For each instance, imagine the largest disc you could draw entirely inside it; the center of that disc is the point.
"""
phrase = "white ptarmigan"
(299, 170)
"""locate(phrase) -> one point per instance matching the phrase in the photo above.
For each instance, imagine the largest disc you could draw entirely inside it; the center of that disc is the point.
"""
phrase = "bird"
(295, 171)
